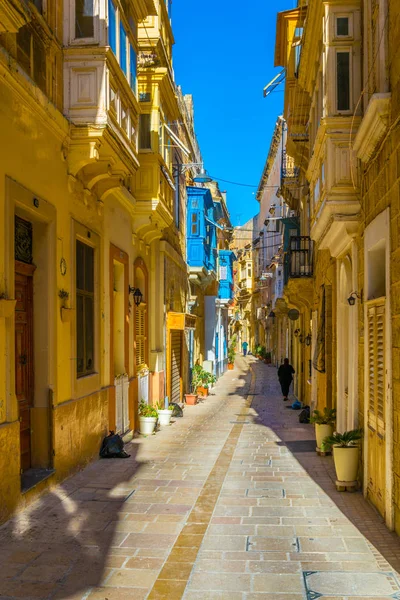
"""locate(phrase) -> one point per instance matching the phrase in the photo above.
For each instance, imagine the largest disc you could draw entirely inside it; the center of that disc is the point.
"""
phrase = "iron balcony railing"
(299, 260)
(289, 169)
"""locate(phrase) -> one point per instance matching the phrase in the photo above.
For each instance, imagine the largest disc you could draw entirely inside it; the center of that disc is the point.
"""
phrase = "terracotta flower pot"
(346, 462)
(202, 391)
(191, 399)
(230, 366)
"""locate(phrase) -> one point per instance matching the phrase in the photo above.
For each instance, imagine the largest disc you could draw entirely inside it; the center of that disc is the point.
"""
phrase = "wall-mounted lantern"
(308, 339)
(137, 295)
(352, 298)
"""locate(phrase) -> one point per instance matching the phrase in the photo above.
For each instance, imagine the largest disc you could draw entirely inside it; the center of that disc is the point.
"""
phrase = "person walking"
(244, 348)
(285, 376)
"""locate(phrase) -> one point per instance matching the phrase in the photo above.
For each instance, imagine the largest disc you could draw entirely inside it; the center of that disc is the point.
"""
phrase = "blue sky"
(224, 56)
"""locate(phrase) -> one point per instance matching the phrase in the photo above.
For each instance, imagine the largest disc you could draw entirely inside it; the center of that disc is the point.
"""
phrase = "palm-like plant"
(348, 439)
(328, 417)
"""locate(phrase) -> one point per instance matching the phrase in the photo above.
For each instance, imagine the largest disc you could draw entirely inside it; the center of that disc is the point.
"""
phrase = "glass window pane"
(343, 80)
(122, 48)
(84, 22)
(80, 265)
(112, 26)
(89, 334)
(24, 48)
(80, 340)
(39, 63)
(144, 132)
(89, 269)
(132, 59)
(342, 26)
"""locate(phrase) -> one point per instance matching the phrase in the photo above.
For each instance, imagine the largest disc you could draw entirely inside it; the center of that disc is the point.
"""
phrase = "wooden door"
(176, 366)
(376, 405)
(24, 356)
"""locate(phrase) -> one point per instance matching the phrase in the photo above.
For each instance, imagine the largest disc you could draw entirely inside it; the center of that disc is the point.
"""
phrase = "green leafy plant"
(348, 439)
(197, 374)
(160, 405)
(328, 417)
(145, 410)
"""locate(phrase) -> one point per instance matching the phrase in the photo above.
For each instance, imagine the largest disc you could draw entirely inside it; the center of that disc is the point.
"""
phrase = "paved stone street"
(229, 502)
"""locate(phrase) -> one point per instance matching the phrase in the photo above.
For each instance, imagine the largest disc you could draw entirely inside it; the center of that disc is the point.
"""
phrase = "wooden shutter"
(140, 335)
(376, 366)
(176, 339)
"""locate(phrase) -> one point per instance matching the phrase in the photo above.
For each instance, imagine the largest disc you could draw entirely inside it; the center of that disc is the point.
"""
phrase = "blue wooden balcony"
(201, 231)
(225, 274)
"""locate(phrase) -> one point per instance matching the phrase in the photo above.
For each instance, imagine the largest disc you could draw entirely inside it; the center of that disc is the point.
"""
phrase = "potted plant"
(231, 357)
(164, 411)
(65, 311)
(268, 358)
(147, 418)
(7, 306)
(202, 376)
(324, 425)
(191, 398)
(345, 456)
(232, 353)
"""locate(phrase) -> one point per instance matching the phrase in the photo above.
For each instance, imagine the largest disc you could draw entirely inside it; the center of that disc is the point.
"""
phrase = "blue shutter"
(112, 26)
(122, 48)
(132, 67)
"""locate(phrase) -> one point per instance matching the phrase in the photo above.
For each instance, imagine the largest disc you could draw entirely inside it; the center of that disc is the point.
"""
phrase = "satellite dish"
(293, 314)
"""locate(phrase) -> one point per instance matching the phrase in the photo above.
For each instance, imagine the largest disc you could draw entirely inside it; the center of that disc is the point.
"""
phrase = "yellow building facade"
(342, 105)
(91, 223)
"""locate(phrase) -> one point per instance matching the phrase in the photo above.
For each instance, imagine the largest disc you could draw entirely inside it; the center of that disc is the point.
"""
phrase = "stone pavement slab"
(229, 502)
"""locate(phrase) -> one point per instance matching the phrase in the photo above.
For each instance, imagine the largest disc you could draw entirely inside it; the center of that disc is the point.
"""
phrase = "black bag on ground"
(177, 411)
(304, 416)
(113, 447)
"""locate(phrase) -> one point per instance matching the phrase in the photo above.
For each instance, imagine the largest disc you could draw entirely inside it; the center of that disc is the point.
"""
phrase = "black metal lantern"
(137, 295)
(352, 298)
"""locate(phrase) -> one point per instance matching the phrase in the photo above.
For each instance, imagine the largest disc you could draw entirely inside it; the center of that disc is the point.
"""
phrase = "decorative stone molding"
(339, 234)
(13, 16)
(373, 126)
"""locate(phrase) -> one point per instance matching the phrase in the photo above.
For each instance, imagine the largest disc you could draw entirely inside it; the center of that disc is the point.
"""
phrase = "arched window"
(141, 343)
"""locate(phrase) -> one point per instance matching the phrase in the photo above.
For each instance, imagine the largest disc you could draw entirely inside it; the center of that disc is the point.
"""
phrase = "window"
(342, 26)
(195, 223)
(124, 118)
(112, 26)
(113, 101)
(248, 270)
(316, 192)
(84, 309)
(122, 49)
(132, 68)
(31, 56)
(39, 5)
(376, 364)
(145, 132)
(343, 80)
(84, 19)
(144, 97)
(140, 335)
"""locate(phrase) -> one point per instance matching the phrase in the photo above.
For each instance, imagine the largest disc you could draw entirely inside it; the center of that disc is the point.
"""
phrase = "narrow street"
(229, 502)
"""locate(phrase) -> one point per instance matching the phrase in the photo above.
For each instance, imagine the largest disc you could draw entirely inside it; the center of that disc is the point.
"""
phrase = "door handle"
(23, 359)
